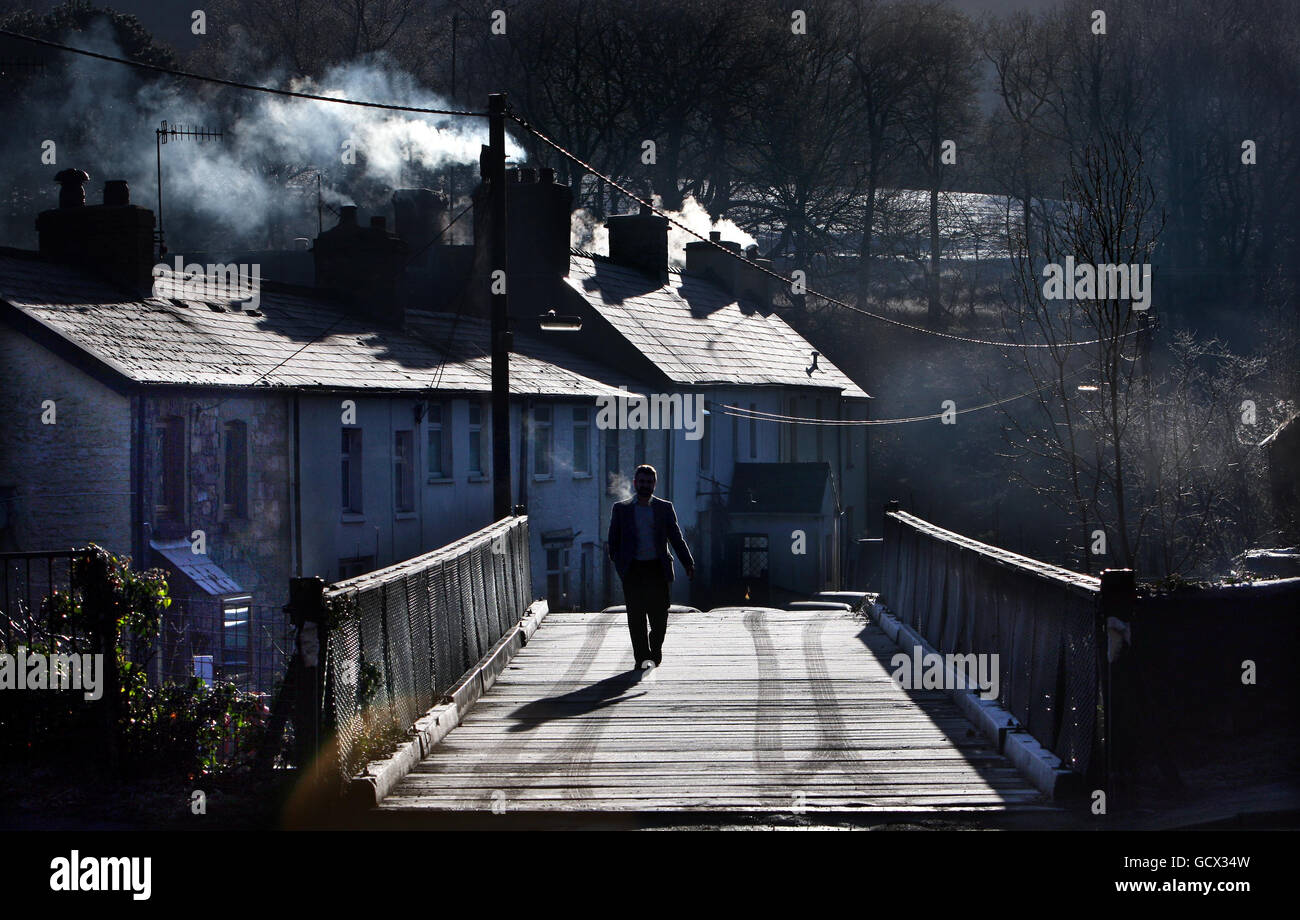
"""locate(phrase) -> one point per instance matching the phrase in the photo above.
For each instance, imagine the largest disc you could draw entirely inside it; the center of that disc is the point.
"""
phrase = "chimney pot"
(647, 211)
(715, 236)
(72, 192)
(348, 215)
(378, 222)
(527, 174)
(547, 174)
(117, 193)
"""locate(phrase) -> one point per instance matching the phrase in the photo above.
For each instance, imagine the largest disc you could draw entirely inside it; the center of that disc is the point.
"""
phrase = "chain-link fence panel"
(402, 636)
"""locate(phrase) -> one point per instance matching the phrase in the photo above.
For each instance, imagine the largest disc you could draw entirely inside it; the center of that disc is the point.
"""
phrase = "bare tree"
(1082, 441)
(940, 104)
(884, 57)
(797, 135)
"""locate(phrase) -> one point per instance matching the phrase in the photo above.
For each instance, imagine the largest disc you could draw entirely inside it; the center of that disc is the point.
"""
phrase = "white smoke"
(104, 116)
(589, 233)
(694, 215)
(619, 486)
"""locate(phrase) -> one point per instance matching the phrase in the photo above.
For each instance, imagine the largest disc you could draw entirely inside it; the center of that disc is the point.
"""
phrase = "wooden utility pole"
(494, 173)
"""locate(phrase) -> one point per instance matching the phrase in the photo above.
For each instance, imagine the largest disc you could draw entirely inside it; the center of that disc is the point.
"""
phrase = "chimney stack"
(750, 287)
(421, 218)
(537, 239)
(640, 241)
(363, 266)
(114, 239)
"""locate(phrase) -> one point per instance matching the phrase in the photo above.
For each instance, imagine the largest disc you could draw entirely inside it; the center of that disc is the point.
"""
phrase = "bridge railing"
(1044, 623)
(378, 650)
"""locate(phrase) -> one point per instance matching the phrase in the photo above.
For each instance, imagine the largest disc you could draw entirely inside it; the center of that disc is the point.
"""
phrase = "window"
(404, 470)
(438, 431)
(706, 440)
(557, 578)
(753, 556)
(582, 441)
(351, 468)
(235, 473)
(542, 441)
(476, 467)
(169, 469)
(753, 432)
(235, 664)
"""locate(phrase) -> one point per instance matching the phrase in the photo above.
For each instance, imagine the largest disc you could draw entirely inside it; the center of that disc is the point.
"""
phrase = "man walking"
(640, 530)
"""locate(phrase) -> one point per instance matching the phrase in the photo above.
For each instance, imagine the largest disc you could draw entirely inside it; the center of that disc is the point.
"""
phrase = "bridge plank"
(752, 710)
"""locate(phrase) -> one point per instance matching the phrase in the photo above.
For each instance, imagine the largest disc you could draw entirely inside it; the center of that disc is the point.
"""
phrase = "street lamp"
(550, 321)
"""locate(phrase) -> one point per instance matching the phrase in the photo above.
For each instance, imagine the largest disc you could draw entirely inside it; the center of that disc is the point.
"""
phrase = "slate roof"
(294, 340)
(778, 488)
(197, 567)
(696, 333)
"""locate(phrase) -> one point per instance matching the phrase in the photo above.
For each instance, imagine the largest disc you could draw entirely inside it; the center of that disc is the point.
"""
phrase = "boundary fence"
(1132, 687)
(375, 652)
(1046, 625)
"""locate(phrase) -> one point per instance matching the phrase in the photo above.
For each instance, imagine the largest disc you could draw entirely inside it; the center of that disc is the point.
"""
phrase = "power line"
(756, 415)
(784, 280)
(235, 84)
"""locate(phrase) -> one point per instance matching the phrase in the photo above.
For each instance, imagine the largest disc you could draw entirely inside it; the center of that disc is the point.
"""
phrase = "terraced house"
(239, 438)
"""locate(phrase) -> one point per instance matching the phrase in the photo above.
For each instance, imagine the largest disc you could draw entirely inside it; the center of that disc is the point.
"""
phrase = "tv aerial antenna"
(175, 134)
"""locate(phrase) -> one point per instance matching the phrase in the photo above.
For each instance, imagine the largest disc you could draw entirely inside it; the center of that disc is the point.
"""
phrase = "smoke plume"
(255, 187)
(589, 233)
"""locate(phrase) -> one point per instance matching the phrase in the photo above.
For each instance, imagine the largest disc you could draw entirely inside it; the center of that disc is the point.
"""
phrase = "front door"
(753, 568)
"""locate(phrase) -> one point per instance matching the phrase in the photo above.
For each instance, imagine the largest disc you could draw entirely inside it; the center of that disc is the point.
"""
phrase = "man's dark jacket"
(622, 536)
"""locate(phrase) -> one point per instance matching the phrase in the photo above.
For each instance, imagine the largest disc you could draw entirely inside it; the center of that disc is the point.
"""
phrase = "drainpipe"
(525, 407)
(296, 495)
(137, 482)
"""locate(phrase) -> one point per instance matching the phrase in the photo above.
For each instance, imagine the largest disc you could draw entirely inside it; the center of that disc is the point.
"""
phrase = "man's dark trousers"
(646, 591)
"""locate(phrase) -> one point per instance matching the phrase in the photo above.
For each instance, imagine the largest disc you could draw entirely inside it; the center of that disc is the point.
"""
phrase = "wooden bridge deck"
(752, 710)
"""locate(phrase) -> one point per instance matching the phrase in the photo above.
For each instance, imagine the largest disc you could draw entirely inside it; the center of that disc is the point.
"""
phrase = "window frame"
(443, 453)
(404, 471)
(477, 433)
(239, 491)
(581, 421)
(352, 455)
(170, 457)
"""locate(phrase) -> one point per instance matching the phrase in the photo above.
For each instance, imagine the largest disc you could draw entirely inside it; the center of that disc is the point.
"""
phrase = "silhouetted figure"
(639, 533)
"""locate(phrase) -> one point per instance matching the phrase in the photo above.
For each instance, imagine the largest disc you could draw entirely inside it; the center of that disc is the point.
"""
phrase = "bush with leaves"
(173, 730)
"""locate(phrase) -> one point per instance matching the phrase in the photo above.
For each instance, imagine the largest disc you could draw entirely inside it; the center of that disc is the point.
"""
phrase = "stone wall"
(66, 483)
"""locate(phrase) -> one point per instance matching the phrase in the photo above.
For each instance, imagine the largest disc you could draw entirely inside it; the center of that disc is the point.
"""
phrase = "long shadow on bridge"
(577, 703)
(756, 716)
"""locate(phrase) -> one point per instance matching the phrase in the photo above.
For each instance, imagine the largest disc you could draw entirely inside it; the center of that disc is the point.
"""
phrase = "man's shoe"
(647, 665)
